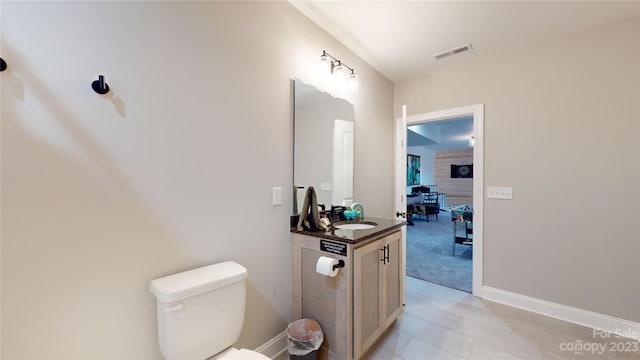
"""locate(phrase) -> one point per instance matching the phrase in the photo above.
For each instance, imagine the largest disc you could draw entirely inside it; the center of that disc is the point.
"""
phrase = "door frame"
(477, 111)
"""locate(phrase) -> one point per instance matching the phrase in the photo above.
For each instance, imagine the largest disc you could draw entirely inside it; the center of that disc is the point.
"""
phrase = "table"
(462, 214)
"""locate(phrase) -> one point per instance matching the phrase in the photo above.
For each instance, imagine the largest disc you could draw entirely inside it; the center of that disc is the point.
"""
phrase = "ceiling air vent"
(458, 50)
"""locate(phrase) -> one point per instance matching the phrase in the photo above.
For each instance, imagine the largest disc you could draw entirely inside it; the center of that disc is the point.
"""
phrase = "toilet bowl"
(201, 313)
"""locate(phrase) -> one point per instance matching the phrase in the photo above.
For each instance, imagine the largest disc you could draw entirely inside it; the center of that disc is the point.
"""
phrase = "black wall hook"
(3, 65)
(100, 86)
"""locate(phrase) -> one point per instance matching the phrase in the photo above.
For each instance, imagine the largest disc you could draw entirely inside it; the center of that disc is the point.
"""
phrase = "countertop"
(356, 236)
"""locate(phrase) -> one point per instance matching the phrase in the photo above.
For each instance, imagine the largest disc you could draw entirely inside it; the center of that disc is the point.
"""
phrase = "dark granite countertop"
(356, 236)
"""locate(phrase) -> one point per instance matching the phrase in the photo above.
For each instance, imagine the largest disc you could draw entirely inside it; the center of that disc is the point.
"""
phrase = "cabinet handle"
(385, 254)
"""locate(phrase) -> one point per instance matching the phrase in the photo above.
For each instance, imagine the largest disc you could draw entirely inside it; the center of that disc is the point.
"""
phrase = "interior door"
(400, 189)
(342, 171)
(477, 111)
(400, 149)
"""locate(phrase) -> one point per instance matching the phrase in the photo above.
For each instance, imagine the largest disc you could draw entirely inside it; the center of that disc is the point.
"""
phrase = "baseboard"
(601, 322)
(274, 347)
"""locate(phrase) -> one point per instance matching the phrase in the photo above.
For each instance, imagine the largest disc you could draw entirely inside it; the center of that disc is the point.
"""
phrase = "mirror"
(323, 146)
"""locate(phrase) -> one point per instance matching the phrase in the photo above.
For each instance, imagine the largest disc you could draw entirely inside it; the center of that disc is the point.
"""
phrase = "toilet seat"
(242, 354)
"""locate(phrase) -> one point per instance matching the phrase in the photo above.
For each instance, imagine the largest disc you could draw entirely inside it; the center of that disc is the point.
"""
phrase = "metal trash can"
(304, 338)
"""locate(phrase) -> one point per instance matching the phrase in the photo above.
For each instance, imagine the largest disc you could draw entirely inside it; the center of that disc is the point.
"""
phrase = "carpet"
(429, 253)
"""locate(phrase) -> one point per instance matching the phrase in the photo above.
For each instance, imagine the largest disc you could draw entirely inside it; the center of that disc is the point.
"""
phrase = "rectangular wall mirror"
(323, 146)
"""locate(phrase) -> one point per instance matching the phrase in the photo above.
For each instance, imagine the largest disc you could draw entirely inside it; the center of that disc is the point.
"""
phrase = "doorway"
(475, 112)
(439, 194)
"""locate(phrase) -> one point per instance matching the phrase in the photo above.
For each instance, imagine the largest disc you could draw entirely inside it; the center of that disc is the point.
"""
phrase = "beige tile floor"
(443, 323)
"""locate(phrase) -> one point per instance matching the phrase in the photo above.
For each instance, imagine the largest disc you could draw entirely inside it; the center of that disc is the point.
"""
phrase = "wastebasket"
(304, 338)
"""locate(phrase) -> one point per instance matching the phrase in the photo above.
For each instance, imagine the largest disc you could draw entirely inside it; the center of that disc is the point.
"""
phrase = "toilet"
(201, 313)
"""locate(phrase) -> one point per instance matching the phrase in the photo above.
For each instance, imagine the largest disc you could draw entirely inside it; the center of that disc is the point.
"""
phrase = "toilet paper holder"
(340, 264)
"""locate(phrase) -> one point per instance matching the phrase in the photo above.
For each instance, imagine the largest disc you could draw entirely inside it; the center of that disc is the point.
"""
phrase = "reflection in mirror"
(323, 146)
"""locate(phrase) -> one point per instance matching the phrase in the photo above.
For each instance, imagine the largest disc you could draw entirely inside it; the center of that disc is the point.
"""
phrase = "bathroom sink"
(356, 226)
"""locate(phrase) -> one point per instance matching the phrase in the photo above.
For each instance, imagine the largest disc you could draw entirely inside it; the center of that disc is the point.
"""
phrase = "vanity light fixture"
(338, 68)
(326, 61)
(353, 81)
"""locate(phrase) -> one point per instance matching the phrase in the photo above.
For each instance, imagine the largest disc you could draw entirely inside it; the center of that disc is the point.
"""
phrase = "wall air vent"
(455, 51)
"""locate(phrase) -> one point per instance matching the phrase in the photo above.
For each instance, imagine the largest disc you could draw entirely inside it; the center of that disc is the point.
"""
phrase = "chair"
(412, 201)
(431, 205)
(418, 210)
(430, 200)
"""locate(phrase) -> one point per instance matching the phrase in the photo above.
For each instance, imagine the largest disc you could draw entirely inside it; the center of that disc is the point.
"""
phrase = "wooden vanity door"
(367, 261)
(392, 279)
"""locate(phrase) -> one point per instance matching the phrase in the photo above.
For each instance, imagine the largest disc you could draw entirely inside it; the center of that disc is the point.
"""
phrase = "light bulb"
(325, 62)
(353, 81)
(338, 69)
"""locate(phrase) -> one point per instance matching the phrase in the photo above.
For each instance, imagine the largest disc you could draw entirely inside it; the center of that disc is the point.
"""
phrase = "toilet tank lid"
(197, 281)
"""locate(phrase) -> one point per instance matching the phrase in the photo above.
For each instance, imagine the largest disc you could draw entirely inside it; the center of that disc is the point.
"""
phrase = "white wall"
(562, 128)
(171, 170)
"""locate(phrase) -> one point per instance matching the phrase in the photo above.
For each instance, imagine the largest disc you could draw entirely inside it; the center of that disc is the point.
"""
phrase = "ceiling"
(451, 134)
(399, 38)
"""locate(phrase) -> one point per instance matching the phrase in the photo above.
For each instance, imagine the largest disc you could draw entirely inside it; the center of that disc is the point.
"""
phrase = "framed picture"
(462, 171)
(413, 169)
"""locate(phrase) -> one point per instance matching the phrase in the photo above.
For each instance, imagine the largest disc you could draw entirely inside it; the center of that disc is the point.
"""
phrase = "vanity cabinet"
(356, 306)
(377, 290)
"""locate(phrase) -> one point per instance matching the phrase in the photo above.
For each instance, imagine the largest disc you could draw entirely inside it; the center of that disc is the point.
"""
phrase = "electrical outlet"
(499, 192)
(277, 195)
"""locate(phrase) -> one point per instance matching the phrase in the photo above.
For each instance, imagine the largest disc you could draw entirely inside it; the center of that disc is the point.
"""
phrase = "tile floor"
(443, 323)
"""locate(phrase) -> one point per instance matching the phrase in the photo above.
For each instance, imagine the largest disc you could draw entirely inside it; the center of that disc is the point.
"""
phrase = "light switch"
(500, 192)
(277, 196)
(325, 186)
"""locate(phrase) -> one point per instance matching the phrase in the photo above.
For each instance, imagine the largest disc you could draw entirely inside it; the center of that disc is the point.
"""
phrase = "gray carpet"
(429, 253)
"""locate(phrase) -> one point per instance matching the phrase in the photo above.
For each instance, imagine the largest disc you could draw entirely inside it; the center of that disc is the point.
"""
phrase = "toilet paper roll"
(325, 266)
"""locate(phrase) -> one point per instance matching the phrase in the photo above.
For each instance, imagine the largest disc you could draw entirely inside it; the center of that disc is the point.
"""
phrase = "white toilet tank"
(200, 311)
